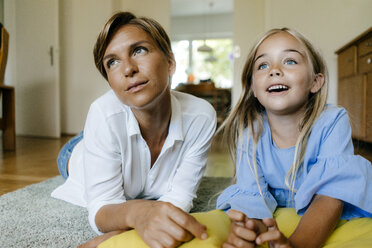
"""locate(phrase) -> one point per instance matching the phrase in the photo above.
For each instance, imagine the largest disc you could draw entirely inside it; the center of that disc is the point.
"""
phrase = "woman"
(145, 147)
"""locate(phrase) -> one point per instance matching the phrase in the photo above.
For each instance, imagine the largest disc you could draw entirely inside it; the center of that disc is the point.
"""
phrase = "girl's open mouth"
(277, 88)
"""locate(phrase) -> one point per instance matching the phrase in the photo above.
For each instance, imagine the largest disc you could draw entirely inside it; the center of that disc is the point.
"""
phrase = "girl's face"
(282, 75)
(136, 68)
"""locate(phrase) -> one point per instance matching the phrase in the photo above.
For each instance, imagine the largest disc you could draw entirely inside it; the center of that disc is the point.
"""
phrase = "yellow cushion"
(217, 223)
(353, 233)
(350, 234)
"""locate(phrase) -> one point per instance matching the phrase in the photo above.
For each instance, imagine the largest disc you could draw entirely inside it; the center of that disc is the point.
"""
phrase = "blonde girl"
(291, 149)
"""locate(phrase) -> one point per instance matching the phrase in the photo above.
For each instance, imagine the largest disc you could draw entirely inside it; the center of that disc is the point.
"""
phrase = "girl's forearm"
(318, 222)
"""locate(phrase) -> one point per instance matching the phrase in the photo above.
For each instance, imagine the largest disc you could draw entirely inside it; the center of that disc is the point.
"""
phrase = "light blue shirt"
(330, 168)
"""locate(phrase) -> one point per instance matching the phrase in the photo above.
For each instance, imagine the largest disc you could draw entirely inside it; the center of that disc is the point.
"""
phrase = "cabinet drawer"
(365, 46)
(351, 96)
(369, 108)
(347, 62)
(365, 63)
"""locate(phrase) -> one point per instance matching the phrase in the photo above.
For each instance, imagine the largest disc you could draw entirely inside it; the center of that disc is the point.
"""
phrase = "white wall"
(9, 24)
(81, 83)
(248, 24)
(201, 26)
(329, 24)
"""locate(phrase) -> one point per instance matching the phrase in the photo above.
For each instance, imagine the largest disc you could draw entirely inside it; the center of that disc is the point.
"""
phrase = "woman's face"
(137, 70)
(282, 75)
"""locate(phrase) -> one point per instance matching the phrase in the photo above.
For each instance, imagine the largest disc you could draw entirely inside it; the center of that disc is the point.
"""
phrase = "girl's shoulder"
(331, 116)
(333, 123)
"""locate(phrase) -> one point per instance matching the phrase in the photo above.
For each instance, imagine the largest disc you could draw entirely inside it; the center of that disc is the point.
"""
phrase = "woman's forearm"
(156, 222)
(121, 216)
(318, 222)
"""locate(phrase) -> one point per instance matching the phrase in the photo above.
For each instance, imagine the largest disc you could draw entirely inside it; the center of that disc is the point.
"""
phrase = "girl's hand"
(164, 225)
(273, 236)
(243, 230)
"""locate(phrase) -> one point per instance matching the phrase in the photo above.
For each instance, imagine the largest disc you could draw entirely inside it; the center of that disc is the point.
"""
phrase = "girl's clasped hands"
(246, 232)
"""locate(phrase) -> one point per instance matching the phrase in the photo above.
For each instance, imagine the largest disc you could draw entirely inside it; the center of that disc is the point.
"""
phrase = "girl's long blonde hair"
(248, 112)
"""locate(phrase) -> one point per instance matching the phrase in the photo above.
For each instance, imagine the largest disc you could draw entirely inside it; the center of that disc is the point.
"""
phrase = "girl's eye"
(111, 63)
(140, 50)
(291, 62)
(262, 66)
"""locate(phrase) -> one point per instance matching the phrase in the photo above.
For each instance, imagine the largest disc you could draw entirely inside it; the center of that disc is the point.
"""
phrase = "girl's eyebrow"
(262, 55)
(131, 47)
(294, 50)
(286, 51)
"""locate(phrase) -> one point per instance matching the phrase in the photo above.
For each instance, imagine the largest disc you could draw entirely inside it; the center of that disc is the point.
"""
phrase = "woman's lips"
(137, 86)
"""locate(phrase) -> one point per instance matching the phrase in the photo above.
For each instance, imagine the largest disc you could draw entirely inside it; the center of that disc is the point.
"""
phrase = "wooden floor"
(35, 160)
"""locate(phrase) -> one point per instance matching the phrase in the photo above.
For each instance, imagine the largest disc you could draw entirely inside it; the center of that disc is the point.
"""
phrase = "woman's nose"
(130, 68)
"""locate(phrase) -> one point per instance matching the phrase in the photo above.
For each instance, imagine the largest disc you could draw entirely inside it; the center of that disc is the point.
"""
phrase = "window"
(216, 65)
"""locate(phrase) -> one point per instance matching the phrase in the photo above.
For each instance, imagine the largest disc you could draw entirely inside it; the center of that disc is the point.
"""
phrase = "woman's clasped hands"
(246, 232)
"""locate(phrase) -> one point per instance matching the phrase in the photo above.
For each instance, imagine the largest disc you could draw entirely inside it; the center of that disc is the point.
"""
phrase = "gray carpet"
(29, 217)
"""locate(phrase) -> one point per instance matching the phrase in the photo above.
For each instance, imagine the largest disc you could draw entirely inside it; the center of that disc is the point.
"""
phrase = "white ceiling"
(199, 7)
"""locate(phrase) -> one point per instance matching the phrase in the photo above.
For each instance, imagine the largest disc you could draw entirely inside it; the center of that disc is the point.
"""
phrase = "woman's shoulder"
(193, 105)
(107, 104)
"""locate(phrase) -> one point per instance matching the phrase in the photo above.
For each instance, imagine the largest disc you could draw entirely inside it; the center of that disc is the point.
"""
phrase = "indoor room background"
(50, 61)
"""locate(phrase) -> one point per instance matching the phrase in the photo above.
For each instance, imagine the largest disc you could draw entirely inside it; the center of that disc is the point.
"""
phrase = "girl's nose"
(275, 72)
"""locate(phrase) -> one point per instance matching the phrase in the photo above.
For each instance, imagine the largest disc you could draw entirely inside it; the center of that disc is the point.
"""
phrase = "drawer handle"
(369, 44)
(349, 60)
(369, 61)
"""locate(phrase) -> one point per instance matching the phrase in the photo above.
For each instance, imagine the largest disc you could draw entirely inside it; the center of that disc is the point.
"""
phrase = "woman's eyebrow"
(108, 56)
(135, 44)
(131, 47)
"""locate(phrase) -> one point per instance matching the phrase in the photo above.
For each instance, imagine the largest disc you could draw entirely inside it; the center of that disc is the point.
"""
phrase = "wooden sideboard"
(355, 84)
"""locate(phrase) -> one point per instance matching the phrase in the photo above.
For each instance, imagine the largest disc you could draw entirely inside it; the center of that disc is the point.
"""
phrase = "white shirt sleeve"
(102, 165)
(188, 176)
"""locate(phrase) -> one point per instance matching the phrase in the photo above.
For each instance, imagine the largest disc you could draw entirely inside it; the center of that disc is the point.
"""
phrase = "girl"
(291, 149)
(145, 147)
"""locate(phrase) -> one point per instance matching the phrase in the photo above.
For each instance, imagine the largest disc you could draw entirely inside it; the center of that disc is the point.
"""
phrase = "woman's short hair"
(120, 19)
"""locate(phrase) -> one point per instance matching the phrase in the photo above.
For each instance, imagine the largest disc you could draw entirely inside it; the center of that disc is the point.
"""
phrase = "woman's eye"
(139, 50)
(291, 62)
(111, 63)
(262, 66)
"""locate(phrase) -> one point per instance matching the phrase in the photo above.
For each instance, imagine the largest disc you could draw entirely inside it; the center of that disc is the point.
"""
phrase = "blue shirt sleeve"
(245, 196)
(335, 171)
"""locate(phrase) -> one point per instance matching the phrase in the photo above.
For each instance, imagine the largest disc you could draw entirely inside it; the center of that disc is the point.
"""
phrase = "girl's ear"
(318, 83)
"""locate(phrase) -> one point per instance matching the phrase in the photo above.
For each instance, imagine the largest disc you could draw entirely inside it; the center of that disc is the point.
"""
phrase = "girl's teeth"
(278, 88)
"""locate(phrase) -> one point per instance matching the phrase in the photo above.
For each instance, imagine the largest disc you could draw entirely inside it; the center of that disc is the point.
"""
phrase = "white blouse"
(117, 161)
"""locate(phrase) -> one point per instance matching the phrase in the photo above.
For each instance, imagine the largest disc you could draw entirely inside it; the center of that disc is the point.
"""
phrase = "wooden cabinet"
(355, 84)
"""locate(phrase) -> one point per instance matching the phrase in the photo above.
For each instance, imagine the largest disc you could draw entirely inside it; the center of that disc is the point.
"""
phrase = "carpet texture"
(29, 217)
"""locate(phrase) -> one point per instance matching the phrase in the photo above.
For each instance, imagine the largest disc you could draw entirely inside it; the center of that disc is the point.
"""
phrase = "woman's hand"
(164, 225)
(243, 230)
(273, 236)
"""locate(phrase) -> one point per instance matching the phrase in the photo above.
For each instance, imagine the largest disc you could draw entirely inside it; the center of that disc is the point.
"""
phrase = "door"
(37, 68)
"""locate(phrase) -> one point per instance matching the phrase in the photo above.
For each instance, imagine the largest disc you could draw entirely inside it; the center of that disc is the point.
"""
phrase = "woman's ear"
(172, 65)
(318, 83)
